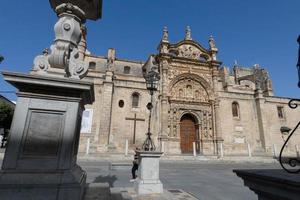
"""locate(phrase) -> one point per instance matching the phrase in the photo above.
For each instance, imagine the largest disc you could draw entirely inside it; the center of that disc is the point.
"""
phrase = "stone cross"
(134, 126)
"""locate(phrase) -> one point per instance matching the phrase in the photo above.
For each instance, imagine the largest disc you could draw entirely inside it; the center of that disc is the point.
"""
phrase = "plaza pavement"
(205, 179)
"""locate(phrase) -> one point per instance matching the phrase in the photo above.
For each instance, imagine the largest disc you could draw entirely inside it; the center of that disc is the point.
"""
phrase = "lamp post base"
(148, 180)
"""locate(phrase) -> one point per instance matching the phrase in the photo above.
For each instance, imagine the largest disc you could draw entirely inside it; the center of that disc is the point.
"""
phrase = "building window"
(280, 112)
(126, 70)
(135, 99)
(92, 65)
(235, 109)
(121, 103)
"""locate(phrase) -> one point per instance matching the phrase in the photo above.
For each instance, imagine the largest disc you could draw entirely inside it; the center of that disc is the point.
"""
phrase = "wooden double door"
(188, 133)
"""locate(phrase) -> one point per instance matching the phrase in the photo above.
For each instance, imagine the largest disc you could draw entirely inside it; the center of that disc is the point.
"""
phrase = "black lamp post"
(152, 78)
(298, 64)
(1, 58)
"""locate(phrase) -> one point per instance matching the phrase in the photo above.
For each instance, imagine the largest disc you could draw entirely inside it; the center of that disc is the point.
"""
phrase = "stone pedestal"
(148, 179)
(272, 184)
(40, 159)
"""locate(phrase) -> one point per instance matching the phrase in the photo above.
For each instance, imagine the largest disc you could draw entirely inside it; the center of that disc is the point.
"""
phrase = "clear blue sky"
(256, 31)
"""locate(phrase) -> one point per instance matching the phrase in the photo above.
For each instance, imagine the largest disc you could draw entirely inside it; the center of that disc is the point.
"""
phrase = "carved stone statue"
(212, 47)
(165, 34)
(111, 57)
(211, 42)
(188, 33)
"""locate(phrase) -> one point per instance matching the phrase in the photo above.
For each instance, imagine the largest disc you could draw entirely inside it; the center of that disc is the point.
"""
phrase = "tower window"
(126, 70)
(135, 99)
(280, 112)
(235, 109)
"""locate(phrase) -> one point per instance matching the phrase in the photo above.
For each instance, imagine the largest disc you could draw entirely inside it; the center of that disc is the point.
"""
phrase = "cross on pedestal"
(134, 125)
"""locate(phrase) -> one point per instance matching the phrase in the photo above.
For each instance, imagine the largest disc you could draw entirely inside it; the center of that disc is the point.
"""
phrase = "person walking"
(135, 165)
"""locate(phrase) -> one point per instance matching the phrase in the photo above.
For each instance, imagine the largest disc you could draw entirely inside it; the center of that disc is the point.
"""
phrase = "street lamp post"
(148, 181)
(298, 64)
(1, 58)
(152, 78)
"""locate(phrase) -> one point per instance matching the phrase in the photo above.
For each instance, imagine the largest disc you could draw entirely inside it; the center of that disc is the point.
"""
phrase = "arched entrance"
(188, 133)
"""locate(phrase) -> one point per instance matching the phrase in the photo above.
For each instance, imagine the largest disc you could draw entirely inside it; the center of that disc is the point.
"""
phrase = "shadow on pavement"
(110, 179)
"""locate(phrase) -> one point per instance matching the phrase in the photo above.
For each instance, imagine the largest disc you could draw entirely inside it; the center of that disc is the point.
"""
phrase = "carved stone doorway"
(188, 133)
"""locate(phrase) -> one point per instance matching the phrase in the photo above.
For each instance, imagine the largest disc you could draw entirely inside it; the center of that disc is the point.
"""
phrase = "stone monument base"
(148, 187)
(32, 185)
(41, 155)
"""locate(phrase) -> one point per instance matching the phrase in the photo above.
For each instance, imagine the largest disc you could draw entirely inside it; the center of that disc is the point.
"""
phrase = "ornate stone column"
(164, 101)
(215, 103)
(164, 67)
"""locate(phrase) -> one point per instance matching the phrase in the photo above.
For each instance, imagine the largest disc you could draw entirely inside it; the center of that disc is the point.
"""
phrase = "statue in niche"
(180, 93)
(196, 94)
(189, 91)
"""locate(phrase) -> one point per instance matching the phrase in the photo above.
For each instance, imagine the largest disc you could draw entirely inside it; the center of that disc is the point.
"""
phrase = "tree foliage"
(6, 115)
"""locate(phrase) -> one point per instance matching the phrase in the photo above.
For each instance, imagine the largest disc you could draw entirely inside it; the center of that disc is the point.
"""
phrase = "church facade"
(199, 104)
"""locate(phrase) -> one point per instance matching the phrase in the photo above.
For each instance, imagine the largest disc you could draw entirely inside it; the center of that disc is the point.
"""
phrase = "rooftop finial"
(188, 34)
(165, 34)
(235, 62)
(212, 44)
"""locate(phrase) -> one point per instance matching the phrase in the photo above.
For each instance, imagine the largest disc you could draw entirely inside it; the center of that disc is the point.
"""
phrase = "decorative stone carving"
(189, 51)
(165, 35)
(64, 52)
(188, 33)
(205, 124)
(190, 90)
(211, 42)
(40, 63)
(111, 57)
(213, 48)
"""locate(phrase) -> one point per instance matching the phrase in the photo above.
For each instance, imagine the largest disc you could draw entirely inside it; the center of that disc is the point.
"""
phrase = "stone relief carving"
(173, 73)
(206, 125)
(189, 90)
(189, 51)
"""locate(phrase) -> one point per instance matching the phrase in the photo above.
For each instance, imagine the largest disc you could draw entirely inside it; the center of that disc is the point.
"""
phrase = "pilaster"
(262, 137)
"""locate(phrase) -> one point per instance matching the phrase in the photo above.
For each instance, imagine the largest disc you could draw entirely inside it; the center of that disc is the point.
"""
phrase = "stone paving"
(205, 180)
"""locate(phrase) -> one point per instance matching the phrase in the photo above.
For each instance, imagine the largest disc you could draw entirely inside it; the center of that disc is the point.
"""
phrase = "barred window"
(135, 99)
(235, 109)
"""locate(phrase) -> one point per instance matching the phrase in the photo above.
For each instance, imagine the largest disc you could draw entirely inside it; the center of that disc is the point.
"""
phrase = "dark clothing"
(135, 167)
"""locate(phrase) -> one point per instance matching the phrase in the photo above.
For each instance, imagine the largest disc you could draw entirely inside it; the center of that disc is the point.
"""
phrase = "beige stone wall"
(238, 131)
(274, 123)
(122, 129)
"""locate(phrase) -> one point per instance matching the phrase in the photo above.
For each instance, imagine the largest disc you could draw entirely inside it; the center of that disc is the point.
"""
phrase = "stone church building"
(221, 110)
